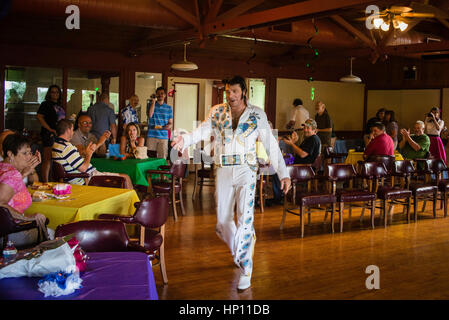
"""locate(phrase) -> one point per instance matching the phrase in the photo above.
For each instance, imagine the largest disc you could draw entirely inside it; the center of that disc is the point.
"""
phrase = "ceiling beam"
(443, 22)
(213, 10)
(180, 12)
(401, 50)
(354, 31)
(417, 48)
(296, 10)
(240, 9)
(171, 39)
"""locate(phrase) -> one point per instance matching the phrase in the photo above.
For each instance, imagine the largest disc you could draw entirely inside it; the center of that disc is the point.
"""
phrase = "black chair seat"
(391, 193)
(355, 195)
(205, 173)
(443, 185)
(419, 189)
(164, 187)
(153, 240)
(310, 199)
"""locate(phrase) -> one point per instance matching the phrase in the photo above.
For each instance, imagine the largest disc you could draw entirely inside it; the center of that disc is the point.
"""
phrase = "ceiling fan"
(401, 16)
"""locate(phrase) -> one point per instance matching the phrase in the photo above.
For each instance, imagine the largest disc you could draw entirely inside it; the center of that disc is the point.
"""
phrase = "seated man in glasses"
(82, 137)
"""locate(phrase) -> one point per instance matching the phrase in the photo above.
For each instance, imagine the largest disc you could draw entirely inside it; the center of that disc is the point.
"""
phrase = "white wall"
(344, 101)
(144, 88)
(408, 105)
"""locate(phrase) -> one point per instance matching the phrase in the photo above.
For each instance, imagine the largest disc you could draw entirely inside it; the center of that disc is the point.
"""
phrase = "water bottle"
(9, 252)
(107, 154)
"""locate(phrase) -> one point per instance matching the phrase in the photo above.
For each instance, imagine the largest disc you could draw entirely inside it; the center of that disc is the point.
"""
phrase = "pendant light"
(351, 78)
(184, 65)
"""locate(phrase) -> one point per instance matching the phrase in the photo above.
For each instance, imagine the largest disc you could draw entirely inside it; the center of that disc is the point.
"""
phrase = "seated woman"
(391, 127)
(13, 192)
(29, 174)
(131, 140)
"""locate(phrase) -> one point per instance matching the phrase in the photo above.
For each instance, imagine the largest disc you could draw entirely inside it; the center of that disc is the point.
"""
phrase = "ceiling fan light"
(395, 24)
(403, 25)
(351, 78)
(385, 26)
(145, 76)
(378, 22)
(184, 66)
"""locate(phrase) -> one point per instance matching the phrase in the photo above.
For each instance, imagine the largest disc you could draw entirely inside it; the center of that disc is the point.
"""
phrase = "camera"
(430, 114)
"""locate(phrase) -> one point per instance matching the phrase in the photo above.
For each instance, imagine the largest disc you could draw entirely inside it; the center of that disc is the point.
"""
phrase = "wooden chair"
(300, 200)
(434, 167)
(108, 181)
(10, 225)
(151, 215)
(376, 173)
(420, 191)
(263, 180)
(60, 175)
(329, 155)
(203, 176)
(171, 187)
(346, 173)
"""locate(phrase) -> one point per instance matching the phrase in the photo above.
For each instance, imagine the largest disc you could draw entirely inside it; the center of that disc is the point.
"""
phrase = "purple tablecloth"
(109, 276)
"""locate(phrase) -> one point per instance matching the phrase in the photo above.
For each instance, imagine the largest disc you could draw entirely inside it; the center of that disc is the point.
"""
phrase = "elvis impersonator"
(237, 126)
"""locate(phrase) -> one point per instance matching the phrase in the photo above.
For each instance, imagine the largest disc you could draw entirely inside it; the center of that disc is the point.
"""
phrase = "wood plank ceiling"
(250, 30)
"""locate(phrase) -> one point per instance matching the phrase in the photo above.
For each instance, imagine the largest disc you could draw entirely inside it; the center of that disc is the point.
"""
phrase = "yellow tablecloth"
(85, 203)
(353, 157)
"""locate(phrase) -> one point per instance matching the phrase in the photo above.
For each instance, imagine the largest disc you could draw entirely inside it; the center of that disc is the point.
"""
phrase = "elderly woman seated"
(29, 174)
(18, 160)
(130, 140)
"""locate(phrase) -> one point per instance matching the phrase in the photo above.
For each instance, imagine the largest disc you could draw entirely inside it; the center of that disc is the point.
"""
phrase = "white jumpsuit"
(236, 184)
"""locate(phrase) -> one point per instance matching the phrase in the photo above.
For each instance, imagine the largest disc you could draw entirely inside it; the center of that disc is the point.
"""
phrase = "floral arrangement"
(289, 158)
(58, 261)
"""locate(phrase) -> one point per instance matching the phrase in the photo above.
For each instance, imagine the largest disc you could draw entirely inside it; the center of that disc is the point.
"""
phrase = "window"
(25, 89)
(84, 88)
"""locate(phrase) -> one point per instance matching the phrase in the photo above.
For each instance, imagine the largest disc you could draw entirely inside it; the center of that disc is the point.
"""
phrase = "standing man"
(324, 124)
(298, 116)
(236, 127)
(103, 118)
(129, 114)
(160, 120)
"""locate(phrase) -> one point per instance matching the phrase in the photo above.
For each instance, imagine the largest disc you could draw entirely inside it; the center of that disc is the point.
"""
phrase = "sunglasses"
(85, 123)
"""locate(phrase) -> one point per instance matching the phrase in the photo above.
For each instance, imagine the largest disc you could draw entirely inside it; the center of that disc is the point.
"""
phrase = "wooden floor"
(413, 258)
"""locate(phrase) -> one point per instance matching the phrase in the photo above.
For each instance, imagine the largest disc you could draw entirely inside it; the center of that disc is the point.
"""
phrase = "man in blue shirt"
(103, 118)
(160, 120)
(129, 114)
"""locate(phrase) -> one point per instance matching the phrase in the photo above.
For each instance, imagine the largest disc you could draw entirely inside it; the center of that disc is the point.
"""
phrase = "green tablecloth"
(134, 168)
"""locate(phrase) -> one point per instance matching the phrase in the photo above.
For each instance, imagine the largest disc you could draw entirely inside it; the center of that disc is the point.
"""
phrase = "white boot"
(244, 281)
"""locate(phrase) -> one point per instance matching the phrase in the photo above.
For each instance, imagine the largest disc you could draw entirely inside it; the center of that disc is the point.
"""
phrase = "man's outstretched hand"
(178, 143)
(285, 185)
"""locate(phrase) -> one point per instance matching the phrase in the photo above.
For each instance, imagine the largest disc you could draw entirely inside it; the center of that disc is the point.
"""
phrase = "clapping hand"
(288, 140)
(405, 133)
(91, 148)
(107, 134)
